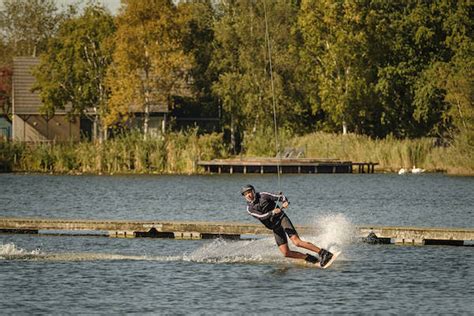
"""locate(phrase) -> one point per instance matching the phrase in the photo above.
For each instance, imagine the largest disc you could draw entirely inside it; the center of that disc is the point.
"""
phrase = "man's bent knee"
(284, 250)
(296, 240)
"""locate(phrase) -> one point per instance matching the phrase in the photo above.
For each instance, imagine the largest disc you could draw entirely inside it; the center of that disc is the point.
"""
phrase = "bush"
(263, 142)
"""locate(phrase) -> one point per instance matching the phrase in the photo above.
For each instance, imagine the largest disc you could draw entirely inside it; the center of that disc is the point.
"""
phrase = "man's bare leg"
(285, 250)
(304, 244)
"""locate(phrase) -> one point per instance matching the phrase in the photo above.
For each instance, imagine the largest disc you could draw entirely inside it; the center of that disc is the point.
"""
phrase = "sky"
(112, 5)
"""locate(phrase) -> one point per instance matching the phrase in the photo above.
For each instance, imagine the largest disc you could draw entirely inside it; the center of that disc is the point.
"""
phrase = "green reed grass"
(179, 152)
(262, 143)
(391, 153)
(127, 153)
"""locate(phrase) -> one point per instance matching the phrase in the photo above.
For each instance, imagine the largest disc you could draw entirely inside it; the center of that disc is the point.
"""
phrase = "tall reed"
(127, 153)
(179, 152)
(391, 153)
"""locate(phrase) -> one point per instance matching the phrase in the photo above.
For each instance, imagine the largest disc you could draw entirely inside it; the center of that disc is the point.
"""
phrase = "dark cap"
(246, 188)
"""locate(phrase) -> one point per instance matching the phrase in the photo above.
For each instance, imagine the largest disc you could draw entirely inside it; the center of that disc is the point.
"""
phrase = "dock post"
(245, 169)
(187, 235)
(261, 169)
(122, 234)
(231, 171)
(409, 241)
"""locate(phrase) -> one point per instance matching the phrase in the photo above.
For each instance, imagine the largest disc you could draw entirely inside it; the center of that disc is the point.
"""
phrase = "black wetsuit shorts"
(285, 228)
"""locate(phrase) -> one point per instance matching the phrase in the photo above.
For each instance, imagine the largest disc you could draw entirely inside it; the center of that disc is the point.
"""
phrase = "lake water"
(62, 275)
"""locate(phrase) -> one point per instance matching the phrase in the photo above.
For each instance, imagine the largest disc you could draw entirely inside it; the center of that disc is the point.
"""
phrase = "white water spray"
(334, 232)
(10, 250)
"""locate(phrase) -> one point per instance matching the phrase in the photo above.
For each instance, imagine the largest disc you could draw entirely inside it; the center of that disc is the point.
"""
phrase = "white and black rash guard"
(262, 208)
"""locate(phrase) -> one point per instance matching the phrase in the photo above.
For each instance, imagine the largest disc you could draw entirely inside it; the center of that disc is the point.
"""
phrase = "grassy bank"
(178, 153)
(391, 154)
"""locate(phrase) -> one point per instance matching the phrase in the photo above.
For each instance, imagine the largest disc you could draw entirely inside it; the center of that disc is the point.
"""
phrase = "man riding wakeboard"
(263, 206)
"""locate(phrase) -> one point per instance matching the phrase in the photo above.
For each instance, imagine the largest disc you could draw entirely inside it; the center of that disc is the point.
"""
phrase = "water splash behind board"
(335, 232)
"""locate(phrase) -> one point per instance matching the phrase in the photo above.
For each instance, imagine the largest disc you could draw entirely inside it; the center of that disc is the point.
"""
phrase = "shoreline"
(131, 173)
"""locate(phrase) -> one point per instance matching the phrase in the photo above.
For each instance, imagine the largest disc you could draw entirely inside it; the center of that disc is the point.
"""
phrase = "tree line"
(402, 68)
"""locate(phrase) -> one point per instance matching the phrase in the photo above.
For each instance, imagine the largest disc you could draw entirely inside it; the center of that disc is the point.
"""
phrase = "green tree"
(336, 57)
(374, 64)
(72, 72)
(455, 78)
(198, 42)
(28, 24)
(149, 63)
(249, 38)
(226, 63)
(412, 38)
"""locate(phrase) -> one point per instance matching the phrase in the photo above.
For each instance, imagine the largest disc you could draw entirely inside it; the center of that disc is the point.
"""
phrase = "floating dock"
(286, 165)
(233, 230)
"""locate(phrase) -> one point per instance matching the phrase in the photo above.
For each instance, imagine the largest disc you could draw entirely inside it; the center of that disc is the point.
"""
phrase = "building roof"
(26, 102)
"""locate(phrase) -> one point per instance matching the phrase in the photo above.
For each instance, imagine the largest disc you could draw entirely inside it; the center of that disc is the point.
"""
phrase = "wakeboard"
(318, 265)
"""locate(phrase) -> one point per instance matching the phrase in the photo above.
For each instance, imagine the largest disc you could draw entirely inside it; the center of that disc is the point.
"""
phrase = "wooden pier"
(286, 165)
(234, 230)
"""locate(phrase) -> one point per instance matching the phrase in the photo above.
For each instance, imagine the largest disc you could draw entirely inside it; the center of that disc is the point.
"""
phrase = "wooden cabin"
(30, 125)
